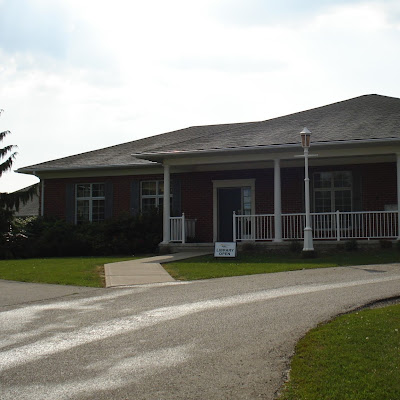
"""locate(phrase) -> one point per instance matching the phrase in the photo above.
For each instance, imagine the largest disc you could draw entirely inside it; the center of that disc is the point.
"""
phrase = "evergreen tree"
(9, 202)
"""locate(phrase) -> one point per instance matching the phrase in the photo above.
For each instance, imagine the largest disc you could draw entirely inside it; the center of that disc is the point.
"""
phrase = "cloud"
(33, 26)
(271, 12)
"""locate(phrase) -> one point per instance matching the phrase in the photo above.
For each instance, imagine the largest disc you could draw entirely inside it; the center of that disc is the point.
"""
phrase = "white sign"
(225, 249)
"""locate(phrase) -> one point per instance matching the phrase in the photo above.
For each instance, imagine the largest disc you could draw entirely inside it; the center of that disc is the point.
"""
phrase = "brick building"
(245, 181)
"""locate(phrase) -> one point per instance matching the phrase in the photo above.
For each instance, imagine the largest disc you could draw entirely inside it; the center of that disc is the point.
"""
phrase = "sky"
(80, 75)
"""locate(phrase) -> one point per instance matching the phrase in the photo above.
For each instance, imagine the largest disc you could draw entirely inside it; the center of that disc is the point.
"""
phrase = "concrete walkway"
(144, 270)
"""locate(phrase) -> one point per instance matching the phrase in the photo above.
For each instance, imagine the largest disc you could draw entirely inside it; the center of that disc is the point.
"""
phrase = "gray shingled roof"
(360, 118)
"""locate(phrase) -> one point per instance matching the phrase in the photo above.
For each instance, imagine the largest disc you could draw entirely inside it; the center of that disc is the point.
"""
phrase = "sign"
(225, 249)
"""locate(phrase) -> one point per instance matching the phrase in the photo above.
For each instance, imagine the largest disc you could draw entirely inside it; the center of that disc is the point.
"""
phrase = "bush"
(385, 244)
(351, 245)
(248, 247)
(295, 246)
(309, 254)
(41, 237)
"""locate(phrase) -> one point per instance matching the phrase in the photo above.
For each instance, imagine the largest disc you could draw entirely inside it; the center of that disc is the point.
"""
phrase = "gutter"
(34, 171)
(288, 146)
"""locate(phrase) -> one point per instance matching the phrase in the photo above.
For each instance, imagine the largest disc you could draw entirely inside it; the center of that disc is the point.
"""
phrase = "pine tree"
(9, 202)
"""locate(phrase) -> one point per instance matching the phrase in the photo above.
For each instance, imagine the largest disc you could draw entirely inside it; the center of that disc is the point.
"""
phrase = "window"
(246, 201)
(90, 202)
(332, 191)
(151, 195)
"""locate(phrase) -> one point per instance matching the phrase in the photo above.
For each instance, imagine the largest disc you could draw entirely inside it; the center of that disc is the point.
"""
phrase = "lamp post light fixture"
(308, 237)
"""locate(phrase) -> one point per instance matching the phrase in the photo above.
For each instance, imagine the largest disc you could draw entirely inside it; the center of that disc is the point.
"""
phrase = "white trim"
(228, 183)
(177, 153)
(277, 201)
(398, 194)
(166, 203)
(89, 198)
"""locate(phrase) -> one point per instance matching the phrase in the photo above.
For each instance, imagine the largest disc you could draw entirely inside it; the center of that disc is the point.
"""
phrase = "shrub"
(385, 244)
(351, 245)
(43, 237)
(248, 247)
(309, 254)
(295, 246)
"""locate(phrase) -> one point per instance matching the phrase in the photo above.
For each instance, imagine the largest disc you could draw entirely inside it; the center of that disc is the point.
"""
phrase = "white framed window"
(333, 191)
(151, 195)
(90, 202)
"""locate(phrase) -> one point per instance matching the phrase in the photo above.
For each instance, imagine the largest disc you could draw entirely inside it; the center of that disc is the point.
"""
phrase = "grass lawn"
(354, 357)
(255, 263)
(80, 271)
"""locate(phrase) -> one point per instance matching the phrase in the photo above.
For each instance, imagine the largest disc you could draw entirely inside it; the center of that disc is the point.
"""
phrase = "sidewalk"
(144, 270)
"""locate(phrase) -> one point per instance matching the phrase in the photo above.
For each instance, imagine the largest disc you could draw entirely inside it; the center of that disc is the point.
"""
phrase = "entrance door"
(229, 200)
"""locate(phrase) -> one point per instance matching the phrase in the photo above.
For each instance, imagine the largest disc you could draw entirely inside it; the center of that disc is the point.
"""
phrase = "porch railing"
(182, 228)
(329, 226)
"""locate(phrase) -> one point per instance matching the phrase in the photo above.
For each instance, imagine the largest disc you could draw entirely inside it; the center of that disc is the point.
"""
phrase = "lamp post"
(308, 237)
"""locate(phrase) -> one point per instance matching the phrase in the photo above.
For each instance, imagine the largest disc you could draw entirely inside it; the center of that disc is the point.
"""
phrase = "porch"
(351, 198)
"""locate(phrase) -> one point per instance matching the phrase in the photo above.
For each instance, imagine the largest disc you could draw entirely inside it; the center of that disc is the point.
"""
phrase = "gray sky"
(80, 75)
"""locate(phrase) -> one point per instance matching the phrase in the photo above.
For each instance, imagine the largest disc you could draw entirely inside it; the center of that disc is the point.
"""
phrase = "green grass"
(252, 263)
(354, 357)
(79, 271)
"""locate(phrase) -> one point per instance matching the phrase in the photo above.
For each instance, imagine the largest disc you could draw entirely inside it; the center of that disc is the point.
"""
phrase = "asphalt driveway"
(228, 338)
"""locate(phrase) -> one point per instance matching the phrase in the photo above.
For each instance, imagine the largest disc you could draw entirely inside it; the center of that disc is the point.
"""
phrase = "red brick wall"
(378, 185)
(55, 191)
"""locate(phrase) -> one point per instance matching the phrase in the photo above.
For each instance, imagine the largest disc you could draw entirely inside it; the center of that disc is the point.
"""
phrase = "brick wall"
(55, 192)
(378, 186)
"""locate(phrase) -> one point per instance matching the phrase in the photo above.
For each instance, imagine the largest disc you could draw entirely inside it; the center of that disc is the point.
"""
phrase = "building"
(245, 181)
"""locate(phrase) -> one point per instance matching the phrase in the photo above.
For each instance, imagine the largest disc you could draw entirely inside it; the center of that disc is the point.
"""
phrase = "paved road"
(227, 338)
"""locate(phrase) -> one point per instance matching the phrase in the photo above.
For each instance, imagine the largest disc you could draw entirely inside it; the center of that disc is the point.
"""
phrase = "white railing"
(253, 227)
(182, 228)
(329, 226)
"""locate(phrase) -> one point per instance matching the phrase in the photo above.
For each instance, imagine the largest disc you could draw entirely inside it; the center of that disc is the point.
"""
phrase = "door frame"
(230, 183)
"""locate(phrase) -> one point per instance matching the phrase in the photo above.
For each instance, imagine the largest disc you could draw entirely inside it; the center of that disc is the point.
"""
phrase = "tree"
(9, 202)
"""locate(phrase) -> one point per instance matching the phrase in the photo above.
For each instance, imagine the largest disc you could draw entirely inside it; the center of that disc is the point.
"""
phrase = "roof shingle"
(364, 117)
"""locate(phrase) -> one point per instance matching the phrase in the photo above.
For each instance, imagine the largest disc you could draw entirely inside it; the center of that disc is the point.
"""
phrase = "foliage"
(355, 357)
(41, 237)
(10, 201)
(351, 245)
(295, 246)
(385, 244)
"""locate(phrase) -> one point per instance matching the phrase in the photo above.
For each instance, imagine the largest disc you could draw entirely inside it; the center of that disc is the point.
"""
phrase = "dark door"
(229, 200)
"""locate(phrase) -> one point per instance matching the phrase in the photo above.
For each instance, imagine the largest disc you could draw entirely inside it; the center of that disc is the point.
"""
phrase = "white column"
(277, 201)
(167, 206)
(398, 195)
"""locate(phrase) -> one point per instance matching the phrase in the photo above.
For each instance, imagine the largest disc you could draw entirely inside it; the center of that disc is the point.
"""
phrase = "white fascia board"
(327, 153)
(274, 150)
(97, 172)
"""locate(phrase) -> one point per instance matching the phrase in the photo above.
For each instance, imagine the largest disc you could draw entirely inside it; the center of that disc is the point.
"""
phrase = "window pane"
(323, 180)
(82, 211)
(246, 192)
(322, 201)
(83, 190)
(148, 204)
(149, 188)
(98, 190)
(343, 200)
(98, 210)
(161, 188)
(342, 179)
